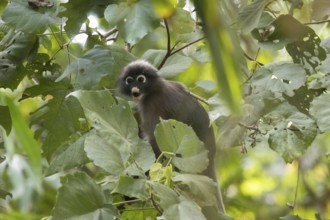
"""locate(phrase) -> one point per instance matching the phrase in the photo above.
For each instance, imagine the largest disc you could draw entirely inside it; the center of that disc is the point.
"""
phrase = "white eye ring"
(129, 80)
(141, 78)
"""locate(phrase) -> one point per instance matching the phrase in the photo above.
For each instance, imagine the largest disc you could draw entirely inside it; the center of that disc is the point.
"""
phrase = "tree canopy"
(70, 145)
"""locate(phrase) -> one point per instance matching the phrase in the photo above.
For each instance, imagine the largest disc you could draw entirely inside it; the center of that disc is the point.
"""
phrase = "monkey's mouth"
(136, 94)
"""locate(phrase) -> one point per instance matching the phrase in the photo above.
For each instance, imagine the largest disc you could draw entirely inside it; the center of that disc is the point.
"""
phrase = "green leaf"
(98, 68)
(320, 110)
(24, 138)
(249, 15)
(292, 135)
(115, 13)
(5, 120)
(227, 56)
(217, 108)
(75, 20)
(174, 65)
(176, 207)
(81, 198)
(181, 22)
(200, 188)
(134, 21)
(139, 212)
(180, 139)
(114, 144)
(61, 117)
(24, 18)
(72, 156)
(11, 58)
(207, 85)
(135, 188)
(292, 217)
(278, 78)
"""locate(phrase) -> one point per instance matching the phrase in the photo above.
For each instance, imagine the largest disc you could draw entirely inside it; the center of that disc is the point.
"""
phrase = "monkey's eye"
(129, 80)
(141, 78)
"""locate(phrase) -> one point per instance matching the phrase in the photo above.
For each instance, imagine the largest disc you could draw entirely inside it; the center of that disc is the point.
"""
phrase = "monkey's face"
(138, 79)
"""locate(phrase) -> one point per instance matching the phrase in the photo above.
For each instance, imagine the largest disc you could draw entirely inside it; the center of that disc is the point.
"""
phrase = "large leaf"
(200, 188)
(135, 188)
(98, 67)
(23, 138)
(60, 117)
(72, 156)
(137, 19)
(320, 110)
(176, 207)
(114, 144)
(292, 135)
(180, 139)
(75, 20)
(81, 198)
(181, 22)
(278, 78)
(174, 65)
(228, 59)
(249, 15)
(16, 48)
(23, 17)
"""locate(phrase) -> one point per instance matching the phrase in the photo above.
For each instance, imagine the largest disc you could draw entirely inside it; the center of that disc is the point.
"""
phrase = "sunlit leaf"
(134, 212)
(180, 139)
(115, 13)
(165, 8)
(134, 20)
(81, 198)
(75, 20)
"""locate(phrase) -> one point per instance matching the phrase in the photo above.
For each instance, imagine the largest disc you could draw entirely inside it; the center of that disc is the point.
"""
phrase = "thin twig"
(126, 202)
(198, 98)
(317, 22)
(58, 42)
(169, 50)
(159, 209)
(253, 59)
(187, 45)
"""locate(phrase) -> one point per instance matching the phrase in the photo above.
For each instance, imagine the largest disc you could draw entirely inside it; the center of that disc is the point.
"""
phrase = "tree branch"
(317, 22)
(169, 50)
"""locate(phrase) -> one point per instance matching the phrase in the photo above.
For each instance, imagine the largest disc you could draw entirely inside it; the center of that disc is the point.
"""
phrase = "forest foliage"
(69, 144)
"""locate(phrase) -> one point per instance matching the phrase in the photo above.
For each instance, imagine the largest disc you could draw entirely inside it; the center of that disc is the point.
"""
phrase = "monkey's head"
(138, 79)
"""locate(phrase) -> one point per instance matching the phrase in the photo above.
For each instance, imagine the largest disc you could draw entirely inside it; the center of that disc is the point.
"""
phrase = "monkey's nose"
(136, 93)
